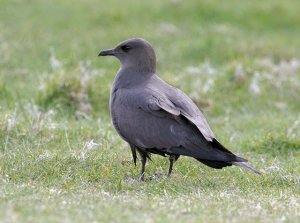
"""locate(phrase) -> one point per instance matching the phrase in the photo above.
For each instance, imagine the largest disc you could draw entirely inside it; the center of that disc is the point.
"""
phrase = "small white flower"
(239, 74)
(254, 87)
(193, 70)
(54, 63)
(208, 85)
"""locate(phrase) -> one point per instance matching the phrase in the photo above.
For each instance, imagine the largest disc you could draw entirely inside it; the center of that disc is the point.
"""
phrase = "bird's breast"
(114, 111)
(122, 112)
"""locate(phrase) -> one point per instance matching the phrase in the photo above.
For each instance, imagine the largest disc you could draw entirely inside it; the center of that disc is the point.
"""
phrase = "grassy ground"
(60, 159)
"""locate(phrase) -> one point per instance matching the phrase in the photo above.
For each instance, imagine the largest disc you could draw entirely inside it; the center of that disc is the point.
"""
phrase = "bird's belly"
(145, 130)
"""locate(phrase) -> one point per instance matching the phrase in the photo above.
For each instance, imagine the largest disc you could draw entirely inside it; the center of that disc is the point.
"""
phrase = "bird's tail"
(246, 165)
(241, 162)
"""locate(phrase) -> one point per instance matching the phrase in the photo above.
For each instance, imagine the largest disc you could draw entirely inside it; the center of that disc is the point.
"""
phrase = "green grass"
(61, 160)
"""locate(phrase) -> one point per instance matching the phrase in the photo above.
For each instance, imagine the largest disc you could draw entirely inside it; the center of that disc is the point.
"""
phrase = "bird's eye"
(126, 48)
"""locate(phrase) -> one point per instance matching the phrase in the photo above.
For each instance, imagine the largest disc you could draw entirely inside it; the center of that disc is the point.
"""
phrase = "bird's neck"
(128, 77)
(139, 68)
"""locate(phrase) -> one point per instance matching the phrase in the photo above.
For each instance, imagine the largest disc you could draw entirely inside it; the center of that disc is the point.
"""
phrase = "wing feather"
(177, 103)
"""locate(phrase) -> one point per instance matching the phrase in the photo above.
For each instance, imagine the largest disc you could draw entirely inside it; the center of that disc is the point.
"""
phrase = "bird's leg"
(171, 159)
(143, 160)
(133, 151)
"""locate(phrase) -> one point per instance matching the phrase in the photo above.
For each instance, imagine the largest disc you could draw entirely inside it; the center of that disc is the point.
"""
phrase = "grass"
(60, 159)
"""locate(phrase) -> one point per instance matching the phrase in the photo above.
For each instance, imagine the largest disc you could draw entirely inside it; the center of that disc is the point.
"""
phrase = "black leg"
(133, 151)
(171, 159)
(143, 160)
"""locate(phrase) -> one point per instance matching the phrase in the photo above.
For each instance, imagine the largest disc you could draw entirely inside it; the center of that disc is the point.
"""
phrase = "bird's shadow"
(153, 177)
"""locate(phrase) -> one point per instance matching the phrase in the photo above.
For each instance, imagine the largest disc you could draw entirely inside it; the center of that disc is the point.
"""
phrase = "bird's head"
(136, 54)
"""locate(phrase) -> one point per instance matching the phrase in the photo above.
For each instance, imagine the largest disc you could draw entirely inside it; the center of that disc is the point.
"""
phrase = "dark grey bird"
(155, 117)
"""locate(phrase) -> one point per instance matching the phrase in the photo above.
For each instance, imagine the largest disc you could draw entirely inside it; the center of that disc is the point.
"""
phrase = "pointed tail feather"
(248, 166)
